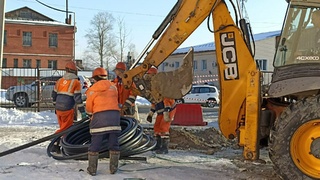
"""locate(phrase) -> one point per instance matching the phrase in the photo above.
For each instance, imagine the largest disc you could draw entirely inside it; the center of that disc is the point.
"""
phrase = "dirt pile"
(207, 139)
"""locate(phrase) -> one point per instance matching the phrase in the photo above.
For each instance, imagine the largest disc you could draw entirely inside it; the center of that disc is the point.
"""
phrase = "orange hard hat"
(152, 70)
(99, 72)
(71, 66)
(121, 66)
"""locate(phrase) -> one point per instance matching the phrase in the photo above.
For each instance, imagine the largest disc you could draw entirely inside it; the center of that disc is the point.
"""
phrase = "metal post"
(74, 35)
(67, 18)
(39, 84)
(2, 18)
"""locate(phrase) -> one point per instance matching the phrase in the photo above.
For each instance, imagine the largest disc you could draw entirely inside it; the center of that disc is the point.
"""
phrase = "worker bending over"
(165, 112)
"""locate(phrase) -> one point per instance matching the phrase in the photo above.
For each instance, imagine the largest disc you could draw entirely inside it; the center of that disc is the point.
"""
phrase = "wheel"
(21, 100)
(211, 103)
(179, 101)
(295, 141)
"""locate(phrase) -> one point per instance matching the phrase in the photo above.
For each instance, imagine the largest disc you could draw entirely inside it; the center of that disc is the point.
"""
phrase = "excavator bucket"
(175, 84)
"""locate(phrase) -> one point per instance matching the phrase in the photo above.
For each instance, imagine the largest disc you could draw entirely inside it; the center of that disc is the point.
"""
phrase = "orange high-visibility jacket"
(101, 96)
(125, 96)
(67, 93)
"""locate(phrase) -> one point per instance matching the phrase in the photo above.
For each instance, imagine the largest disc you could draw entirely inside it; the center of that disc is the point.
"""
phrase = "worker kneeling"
(102, 107)
(165, 112)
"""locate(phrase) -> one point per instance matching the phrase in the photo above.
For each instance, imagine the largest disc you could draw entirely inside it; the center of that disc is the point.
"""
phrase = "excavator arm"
(238, 74)
(182, 20)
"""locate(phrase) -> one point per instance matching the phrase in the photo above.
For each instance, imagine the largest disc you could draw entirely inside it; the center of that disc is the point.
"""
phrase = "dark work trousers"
(98, 140)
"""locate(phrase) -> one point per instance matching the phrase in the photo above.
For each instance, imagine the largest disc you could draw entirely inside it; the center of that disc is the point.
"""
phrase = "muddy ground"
(210, 142)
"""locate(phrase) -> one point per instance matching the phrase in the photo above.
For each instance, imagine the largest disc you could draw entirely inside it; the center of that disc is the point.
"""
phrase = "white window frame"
(263, 64)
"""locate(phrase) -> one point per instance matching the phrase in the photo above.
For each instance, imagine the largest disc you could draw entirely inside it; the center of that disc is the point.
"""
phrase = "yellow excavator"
(284, 115)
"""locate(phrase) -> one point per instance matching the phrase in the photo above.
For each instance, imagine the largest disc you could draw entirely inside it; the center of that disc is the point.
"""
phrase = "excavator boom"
(185, 17)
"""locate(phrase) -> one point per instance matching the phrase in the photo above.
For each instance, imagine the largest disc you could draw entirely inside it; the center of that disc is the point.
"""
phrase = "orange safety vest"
(67, 92)
(124, 95)
(101, 96)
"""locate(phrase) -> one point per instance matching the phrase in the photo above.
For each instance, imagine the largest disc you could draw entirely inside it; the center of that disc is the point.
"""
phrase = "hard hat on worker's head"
(71, 67)
(121, 66)
(152, 70)
(99, 74)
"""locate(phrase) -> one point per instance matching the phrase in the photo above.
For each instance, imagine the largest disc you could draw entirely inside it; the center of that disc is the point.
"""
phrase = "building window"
(195, 65)
(53, 40)
(38, 61)
(4, 62)
(262, 63)
(176, 65)
(5, 37)
(52, 64)
(27, 63)
(15, 63)
(204, 65)
(27, 38)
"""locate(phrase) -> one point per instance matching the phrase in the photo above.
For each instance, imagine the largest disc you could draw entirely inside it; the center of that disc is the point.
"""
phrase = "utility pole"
(2, 19)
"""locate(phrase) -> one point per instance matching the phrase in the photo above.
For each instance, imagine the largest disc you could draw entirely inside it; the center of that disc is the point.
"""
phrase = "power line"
(97, 9)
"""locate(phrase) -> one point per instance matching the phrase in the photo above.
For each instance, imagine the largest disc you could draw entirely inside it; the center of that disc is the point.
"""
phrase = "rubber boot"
(114, 161)
(158, 145)
(164, 146)
(93, 163)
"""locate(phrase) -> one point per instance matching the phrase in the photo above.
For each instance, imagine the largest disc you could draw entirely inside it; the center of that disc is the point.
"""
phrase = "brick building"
(34, 40)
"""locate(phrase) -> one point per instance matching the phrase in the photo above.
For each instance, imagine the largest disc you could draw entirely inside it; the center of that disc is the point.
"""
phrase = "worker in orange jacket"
(102, 107)
(165, 113)
(126, 97)
(66, 94)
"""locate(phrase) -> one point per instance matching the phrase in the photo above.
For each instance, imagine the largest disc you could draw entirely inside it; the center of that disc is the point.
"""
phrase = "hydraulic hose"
(75, 144)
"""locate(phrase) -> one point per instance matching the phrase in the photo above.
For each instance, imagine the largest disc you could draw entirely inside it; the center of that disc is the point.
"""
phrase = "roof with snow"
(211, 46)
(26, 15)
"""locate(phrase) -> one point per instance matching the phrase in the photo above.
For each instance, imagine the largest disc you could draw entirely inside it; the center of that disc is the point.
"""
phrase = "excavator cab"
(297, 59)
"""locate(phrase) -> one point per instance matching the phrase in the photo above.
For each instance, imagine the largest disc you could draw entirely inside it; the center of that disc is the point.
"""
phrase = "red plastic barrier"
(188, 115)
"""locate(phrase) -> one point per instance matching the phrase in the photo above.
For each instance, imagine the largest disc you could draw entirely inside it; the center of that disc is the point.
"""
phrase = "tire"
(21, 100)
(295, 141)
(211, 103)
(179, 101)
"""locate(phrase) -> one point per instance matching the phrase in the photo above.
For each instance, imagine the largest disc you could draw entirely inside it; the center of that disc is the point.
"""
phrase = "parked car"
(205, 95)
(27, 95)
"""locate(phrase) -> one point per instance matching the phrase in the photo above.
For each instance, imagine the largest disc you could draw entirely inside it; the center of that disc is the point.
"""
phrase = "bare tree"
(101, 39)
(122, 37)
(126, 48)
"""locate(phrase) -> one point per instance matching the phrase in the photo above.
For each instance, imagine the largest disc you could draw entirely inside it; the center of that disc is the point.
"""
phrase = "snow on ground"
(18, 128)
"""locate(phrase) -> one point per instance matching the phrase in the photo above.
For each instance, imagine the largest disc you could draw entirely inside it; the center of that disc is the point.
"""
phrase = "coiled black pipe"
(75, 144)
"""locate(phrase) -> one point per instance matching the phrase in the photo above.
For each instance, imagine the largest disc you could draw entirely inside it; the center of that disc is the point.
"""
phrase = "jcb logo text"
(229, 56)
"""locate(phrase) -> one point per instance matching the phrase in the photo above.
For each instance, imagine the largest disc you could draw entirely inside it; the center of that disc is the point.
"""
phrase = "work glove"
(166, 116)
(149, 117)
(127, 110)
(83, 115)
